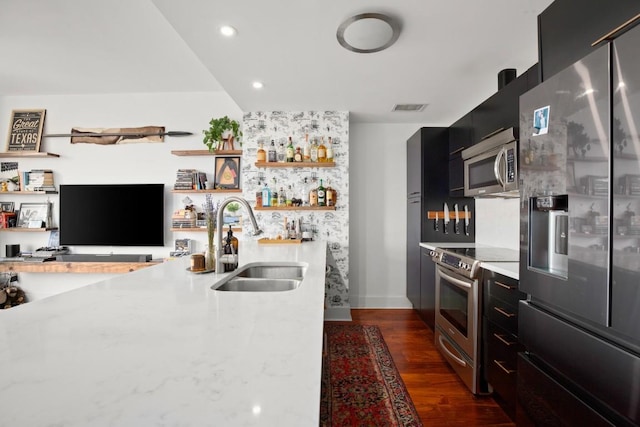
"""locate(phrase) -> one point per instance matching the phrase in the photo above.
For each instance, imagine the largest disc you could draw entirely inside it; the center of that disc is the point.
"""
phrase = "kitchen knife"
(466, 220)
(456, 225)
(435, 223)
(446, 218)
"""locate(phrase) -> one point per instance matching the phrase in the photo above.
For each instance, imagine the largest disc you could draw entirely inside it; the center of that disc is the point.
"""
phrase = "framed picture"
(25, 130)
(227, 172)
(33, 215)
(6, 206)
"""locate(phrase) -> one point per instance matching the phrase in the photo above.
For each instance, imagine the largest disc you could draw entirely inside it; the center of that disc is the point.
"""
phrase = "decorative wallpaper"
(332, 226)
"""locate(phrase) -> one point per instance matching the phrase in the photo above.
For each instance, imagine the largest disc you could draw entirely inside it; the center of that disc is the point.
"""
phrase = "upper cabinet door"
(414, 165)
(626, 185)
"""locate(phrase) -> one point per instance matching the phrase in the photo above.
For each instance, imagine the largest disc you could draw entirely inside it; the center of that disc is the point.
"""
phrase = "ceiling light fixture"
(368, 32)
(228, 31)
(258, 85)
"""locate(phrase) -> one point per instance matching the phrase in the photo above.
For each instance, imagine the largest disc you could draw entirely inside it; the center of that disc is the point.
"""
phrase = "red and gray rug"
(361, 385)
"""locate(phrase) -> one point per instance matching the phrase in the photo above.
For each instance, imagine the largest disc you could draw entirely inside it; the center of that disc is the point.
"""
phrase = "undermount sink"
(264, 277)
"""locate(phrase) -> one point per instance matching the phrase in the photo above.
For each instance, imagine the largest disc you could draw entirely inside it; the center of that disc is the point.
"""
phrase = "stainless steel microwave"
(491, 166)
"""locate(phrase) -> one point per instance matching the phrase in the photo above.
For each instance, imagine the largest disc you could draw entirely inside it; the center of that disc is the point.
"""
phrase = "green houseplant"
(214, 137)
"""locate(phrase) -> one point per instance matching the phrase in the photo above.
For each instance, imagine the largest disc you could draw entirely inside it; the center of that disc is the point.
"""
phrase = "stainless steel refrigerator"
(580, 242)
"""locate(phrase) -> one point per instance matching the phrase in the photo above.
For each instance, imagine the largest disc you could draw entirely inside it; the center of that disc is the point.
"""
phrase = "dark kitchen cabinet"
(460, 137)
(428, 190)
(500, 337)
(427, 310)
(566, 29)
(501, 110)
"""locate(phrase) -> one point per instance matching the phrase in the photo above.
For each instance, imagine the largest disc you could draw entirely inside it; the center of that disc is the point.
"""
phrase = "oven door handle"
(453, 356)
(496, 166)
(455, 281)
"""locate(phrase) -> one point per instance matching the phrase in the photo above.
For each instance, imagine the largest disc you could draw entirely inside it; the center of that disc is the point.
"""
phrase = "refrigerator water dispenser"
(549, 235)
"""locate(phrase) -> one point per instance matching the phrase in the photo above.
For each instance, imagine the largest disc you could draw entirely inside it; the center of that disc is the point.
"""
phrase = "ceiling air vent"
(409, 107)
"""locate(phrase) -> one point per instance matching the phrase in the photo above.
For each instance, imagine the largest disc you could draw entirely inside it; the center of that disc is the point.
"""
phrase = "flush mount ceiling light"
(257, 85)
(368, 32)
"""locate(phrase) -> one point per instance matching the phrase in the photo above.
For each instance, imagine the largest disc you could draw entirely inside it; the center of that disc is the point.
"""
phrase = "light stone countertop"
(159, 347)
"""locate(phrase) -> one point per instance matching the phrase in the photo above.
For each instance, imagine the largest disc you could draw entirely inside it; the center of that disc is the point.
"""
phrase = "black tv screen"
(112, 215)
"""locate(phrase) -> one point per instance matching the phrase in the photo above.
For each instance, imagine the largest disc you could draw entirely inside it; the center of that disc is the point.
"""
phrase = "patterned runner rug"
(361, 385)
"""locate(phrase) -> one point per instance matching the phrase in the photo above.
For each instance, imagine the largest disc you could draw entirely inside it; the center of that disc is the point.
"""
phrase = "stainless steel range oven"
(458, 308)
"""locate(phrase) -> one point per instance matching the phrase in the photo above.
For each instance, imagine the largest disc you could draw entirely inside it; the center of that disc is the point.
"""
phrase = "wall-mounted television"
(112, 215)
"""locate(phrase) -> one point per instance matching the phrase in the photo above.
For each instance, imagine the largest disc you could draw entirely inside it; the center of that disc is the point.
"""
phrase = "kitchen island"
(158, 346)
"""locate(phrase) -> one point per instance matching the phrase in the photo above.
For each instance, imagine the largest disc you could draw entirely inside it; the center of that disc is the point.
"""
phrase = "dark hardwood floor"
(439, 396)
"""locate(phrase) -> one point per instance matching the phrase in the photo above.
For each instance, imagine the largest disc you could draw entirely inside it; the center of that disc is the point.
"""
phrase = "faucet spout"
(219, 221)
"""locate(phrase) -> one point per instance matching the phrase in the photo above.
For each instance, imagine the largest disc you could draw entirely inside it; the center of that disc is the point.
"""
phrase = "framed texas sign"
(25, 130)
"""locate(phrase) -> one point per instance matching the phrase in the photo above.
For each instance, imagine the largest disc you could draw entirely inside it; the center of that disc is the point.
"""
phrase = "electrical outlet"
(13, 277)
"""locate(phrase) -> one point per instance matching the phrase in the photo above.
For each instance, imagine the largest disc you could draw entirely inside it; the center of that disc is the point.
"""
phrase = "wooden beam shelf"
(206, 153)
(295, 164)
(216, 190)
(294, 208)
(73, 267)
(28, 154)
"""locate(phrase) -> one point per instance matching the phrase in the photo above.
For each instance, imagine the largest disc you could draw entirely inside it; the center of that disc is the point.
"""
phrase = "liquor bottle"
(332, 195)
(289, 195)
(305, 193)
(230, 260)
(314, 150)
(322, 151)
(330, 151)
(272, 152)
(306, 150)
(266, 196)
(282, 201)
(292, 231)
(261, 156)
(322, 196)
(290, 151)
(313, 197)
(274, 198)
(297, 157)
(281, 154)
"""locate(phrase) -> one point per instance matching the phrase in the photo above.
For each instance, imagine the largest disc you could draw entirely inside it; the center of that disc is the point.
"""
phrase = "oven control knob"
(466, 266)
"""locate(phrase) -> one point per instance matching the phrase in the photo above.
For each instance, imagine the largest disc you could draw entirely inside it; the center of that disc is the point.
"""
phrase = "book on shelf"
(37, 180)
(190, 179)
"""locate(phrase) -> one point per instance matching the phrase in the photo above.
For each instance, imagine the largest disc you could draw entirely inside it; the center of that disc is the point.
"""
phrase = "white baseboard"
(379, 302)
(338, 314)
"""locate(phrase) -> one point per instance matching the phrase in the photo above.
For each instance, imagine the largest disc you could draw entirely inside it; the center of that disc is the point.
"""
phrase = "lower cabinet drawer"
(501, 365)
(502, 314)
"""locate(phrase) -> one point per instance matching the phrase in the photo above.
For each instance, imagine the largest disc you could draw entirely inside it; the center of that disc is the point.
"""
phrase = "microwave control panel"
(511, 165)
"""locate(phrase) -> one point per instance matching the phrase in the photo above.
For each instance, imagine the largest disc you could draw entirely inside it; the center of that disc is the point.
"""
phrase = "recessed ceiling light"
(228, 31)
(258, 85)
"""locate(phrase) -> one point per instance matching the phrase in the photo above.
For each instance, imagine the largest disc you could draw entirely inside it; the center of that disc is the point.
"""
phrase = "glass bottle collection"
(311, 152)
(309, 195)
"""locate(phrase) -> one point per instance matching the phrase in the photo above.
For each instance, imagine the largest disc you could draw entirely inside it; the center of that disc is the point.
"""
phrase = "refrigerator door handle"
(496, 167)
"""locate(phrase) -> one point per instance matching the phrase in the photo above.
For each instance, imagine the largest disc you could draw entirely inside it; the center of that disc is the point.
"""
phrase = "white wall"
(127, 163)
(498, 222)
(378, 214)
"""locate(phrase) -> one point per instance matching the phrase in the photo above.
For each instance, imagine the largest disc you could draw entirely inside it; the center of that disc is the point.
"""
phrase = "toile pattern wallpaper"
(332, 226)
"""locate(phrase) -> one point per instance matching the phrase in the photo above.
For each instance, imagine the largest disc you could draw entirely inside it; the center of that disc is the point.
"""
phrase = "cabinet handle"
(501, 366)
(457, 151)
(505, 342)
(504, 313)
(502, 285)
(610, 35)
(456, 189)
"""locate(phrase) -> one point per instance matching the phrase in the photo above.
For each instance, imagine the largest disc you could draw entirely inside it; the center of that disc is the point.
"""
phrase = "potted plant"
(221, 130)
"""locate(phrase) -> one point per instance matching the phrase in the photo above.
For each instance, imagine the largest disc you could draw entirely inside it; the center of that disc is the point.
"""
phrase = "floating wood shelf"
(28, 230)
(206, 153)
(452, 215)
(294, 208)
(73, 267)
(28, 154)
(235, 229)
(216, 190)
(29, 192)
(295, 164)
(279, 241)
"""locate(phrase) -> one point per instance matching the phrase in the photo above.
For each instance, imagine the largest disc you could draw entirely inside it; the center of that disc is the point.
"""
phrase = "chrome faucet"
(219, 221)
